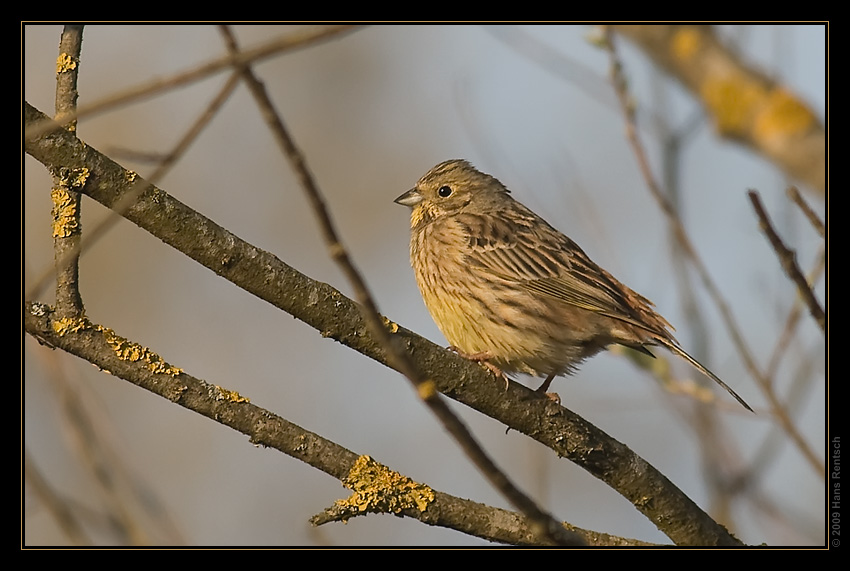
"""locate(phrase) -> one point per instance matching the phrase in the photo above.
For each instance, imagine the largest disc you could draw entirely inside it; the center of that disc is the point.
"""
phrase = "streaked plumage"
(500, 281)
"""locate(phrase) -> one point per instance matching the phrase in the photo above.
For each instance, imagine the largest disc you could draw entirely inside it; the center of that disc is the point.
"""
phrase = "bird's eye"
(444, 191)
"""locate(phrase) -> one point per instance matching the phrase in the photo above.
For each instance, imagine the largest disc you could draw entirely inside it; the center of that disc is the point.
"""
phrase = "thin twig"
(585, 78)
(67, 231)
(141, 185)
(793, 319)
(788, 260)
(301, 38)
(55, 504)
(777, 408)
(131, 510)
(719, 455)
(817, 223)
(669, 211)
(768, 450)
(547, 526)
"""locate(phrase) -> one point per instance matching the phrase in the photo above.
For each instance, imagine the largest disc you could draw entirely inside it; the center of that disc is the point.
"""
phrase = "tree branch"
(788, 260)
(64, 194)
(546, 526)
(814, 219)
(777, 407)
(301, 38)
(746, 105)
(335, 316)
(677, 227)
(126, 360)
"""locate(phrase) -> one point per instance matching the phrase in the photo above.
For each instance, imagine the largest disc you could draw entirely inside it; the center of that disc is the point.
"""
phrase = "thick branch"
(338, 317)
(97, 345)
(546, 525)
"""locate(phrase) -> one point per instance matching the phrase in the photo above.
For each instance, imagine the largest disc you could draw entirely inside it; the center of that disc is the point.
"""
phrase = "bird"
(510, 291)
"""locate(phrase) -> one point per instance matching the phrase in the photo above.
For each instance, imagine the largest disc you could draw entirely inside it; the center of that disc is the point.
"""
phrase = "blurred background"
(373, 110)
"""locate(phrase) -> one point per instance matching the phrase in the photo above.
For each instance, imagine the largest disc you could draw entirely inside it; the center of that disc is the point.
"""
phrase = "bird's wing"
(524, 249)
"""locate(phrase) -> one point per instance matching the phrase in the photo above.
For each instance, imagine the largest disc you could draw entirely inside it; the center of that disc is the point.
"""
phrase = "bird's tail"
(681, 353)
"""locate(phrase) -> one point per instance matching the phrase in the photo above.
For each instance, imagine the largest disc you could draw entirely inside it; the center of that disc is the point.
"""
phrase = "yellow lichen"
(685, 43)
(390, 325)
(782, 116)
(596, 37)
(70, 325)
(64, 212)
(226, 394)
(77, 178)
(377, 489)
(65, 63)
(733, 101)
(126, 350)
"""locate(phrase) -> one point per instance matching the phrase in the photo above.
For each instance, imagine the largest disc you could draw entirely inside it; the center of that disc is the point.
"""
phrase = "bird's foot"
(543, 390)
(483, 357)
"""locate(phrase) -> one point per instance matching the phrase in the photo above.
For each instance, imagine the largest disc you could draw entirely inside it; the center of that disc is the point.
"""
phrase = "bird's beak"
(410, 198)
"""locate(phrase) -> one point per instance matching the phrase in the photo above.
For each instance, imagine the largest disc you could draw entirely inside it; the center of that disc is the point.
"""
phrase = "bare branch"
(65, 194)
(814, 219)
(793, 318)
(337, 317)
(545, 524)
(788, 260)
(102, 347)
(57, 506)
(301, 38)
(667, 208)
(165, 165)
(746, 105)
(777, 407)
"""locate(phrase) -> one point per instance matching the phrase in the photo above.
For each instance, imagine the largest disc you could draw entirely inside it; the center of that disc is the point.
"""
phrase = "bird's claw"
(482, 357)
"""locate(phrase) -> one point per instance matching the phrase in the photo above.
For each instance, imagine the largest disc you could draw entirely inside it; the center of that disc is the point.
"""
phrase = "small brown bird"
(507, 289)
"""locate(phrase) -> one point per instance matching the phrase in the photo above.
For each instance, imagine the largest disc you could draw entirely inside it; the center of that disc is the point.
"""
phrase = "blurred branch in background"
(744, 104)
(165, 163)
(788, 260)
(303, 37)
(679, 231)
(129, 512)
